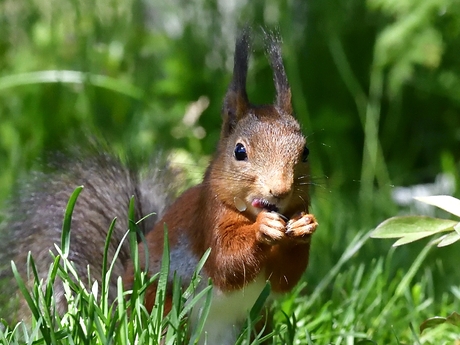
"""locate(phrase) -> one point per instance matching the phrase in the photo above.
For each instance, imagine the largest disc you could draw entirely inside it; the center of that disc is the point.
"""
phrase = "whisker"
(302, 191)
(303, 176)
(305, 183)
(305, 204)
(325, 177)
(311, 184)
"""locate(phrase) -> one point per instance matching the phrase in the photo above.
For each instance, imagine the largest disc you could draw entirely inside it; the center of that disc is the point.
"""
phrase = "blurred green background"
(376, 86)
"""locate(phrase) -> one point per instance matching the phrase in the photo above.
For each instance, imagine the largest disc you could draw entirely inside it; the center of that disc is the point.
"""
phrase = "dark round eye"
(240, 152)
(305, 154)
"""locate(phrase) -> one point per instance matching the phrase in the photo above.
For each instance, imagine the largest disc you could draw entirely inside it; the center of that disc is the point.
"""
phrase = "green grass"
(93, 319)
(353, 303)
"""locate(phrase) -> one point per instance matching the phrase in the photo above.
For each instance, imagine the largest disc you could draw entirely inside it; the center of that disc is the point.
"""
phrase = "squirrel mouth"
(262, 203)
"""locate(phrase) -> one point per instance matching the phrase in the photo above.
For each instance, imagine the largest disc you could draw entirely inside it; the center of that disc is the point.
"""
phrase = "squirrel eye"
(240, 152)
(305, 154)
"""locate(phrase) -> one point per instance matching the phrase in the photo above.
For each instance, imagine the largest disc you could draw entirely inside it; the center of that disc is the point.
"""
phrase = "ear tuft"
(236, 101)
(283, 91)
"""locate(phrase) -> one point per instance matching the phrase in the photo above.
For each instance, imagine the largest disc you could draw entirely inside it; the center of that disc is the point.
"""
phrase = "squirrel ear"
(283, 90)
(236, 101)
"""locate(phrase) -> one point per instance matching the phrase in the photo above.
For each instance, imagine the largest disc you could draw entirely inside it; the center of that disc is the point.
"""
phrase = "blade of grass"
(402, 286)
(414, 334)
(65, 235)
(195, 278)
(162, 285)
(30, 302)
(49, 290)
(260, 302)
(122, 333)
(71, 77)
(193, 302)
(204, 312)
(357, 242)
(106, 274)
(132, 235)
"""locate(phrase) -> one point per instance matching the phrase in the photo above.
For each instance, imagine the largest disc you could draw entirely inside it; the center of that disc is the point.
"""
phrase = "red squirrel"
(251, 209)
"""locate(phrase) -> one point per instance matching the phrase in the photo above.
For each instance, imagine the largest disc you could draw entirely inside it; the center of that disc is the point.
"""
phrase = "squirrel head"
(261, 162)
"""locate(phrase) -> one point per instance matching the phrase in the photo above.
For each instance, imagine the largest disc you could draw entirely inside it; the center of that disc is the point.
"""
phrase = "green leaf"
(457, 228)
(449, 239)
(453, 319)
(432, 322)
(412, 228)
(445, 202)
(410, 238)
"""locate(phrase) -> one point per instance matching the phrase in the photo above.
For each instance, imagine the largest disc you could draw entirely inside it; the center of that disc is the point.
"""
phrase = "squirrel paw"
(301, 227)
(271, 227)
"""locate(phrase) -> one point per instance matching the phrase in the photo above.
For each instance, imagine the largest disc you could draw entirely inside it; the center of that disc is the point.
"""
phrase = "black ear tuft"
(283, 90)
(236, 100)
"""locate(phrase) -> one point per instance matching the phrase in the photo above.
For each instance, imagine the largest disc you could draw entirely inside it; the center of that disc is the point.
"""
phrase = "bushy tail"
(35, 215)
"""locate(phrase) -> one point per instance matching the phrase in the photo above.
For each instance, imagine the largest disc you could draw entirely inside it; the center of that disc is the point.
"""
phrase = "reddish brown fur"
(207, 216)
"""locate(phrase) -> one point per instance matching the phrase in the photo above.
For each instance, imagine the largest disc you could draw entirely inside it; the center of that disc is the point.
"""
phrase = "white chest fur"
(228, 312)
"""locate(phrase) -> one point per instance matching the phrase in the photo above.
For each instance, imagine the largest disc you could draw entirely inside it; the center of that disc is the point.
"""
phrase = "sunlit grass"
(353, 303)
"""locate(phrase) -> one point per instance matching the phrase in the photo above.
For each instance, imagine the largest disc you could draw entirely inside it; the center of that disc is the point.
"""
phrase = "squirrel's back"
(35, 215)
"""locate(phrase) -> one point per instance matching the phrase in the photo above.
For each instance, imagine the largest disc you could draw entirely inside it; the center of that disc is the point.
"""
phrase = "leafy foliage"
(453, 318)
(412, 228)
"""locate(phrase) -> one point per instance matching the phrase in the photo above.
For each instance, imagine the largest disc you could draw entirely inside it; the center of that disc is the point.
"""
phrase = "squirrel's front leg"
(240, 248)
(270, 227)
(301, 226)
(288, 258)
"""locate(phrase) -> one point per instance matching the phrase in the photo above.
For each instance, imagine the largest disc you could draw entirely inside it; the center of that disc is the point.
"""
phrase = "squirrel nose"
(279, 184)
(280, 192)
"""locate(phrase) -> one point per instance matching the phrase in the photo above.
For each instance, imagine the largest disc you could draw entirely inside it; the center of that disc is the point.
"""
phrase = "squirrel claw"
(301, 227)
